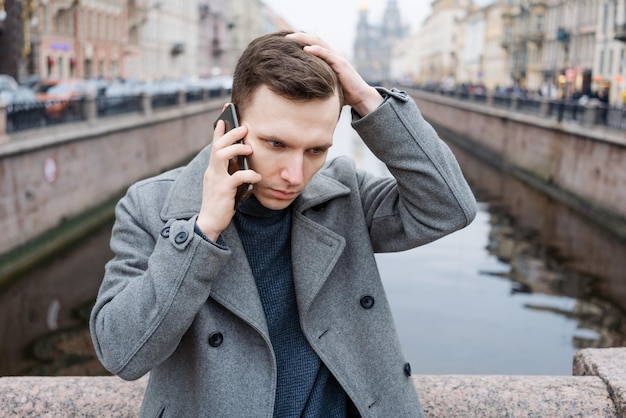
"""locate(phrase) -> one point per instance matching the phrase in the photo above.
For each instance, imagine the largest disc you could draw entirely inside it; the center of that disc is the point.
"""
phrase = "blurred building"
(540, 46)
(247, 22)
(576, 46)
(11, 38)
(170, 38)
(404, 64)
(20, 37)
(374, 44)
(137, 39)
(75, 39)
(439, 41)
(471, 46)
(494, 58)
(609, 55)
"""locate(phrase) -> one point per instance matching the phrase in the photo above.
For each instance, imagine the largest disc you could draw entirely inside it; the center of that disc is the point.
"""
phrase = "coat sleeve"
(428, 196)
(152, 288)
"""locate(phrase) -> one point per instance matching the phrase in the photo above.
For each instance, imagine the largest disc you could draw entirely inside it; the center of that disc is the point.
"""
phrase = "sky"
(335, 20)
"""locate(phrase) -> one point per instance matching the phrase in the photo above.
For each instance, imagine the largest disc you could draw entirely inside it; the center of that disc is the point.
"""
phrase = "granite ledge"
(597, 389)
(609, 364)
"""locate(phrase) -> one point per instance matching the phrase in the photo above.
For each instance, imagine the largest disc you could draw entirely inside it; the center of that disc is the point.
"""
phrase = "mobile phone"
(240, 162)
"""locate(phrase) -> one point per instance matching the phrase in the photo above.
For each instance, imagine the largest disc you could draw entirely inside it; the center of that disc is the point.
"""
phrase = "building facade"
(609, 54)
(546, 47)
(81, 39)
(128, 39)
(439, 41)
(374, 44)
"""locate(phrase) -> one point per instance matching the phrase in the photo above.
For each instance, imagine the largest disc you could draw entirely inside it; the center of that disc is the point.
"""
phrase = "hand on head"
(357, 93)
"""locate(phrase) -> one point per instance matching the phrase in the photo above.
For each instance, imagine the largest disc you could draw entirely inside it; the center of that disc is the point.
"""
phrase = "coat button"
(181, 237)
(367, 302)
(407, 369)
(165, 232)
(216, 339)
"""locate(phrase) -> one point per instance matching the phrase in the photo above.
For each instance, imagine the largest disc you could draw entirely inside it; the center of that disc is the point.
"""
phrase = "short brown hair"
(280, 64)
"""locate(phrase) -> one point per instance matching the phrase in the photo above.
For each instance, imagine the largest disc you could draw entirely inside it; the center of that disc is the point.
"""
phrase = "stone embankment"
(596, 389)
(575, 162)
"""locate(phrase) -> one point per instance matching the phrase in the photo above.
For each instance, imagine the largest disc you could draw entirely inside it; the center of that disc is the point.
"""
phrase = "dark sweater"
(305, 387)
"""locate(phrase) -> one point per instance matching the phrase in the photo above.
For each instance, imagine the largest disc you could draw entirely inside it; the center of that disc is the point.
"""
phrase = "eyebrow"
(324, 146)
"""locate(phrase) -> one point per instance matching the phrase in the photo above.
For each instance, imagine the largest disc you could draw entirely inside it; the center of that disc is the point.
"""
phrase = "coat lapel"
(236, 289)
(315, 248)
(315, 251)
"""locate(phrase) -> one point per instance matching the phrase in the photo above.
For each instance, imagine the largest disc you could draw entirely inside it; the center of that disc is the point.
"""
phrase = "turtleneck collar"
(252, 207)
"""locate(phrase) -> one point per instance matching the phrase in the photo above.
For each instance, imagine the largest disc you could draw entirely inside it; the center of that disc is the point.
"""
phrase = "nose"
(293, 170)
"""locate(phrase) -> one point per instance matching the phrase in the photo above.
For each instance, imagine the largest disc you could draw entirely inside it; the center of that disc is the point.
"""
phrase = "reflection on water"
(517, 292)
(44, 315)
(553, 250)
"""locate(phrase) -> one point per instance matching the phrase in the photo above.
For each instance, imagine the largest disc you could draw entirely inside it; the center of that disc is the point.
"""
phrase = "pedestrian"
(276, 308)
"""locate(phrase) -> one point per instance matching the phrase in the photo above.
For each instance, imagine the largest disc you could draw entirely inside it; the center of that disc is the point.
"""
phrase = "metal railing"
(591, 112)
(164, 100)
(110, 106)
(24, 116)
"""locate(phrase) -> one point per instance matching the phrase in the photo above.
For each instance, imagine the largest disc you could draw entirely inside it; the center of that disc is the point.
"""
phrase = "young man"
(277, 308)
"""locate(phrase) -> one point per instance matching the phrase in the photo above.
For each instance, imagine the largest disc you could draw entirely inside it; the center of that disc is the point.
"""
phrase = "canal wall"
(58, 182)
(596, 389)
(578, 164)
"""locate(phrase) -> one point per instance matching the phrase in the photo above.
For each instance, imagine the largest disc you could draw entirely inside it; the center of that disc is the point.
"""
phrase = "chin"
(274, 204)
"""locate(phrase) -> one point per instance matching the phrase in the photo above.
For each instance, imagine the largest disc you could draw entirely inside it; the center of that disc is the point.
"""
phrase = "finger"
(220, 127)
(221, 139)
(308, 39)
(231, 151)
(245, 176)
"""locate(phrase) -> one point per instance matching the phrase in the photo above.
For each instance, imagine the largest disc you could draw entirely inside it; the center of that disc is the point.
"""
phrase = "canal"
(522, 288)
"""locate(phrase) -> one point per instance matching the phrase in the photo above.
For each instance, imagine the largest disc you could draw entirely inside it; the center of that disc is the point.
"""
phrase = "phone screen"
(229, 116)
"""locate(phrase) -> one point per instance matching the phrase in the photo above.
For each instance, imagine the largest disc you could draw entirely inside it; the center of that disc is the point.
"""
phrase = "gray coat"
(187, 310)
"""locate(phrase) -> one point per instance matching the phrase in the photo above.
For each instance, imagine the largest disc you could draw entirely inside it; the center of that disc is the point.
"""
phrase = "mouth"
(284, 194)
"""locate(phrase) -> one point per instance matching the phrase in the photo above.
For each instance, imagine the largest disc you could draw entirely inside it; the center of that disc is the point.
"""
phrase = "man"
(277, 308)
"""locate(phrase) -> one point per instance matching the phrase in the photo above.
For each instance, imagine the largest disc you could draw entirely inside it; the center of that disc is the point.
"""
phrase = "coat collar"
(185, 197)
(315, 248)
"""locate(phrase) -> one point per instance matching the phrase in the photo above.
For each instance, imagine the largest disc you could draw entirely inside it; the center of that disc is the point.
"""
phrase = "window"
(69, 25)
(60, 67)
(601, 66)
(58, 18)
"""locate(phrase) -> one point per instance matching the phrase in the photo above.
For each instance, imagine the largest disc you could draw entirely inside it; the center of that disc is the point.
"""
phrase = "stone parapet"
(597, 389)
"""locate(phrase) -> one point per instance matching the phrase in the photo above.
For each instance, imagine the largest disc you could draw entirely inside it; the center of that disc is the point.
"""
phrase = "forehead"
(271, 115)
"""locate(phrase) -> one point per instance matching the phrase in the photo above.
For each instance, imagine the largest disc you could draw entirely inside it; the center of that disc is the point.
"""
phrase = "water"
(517, 292)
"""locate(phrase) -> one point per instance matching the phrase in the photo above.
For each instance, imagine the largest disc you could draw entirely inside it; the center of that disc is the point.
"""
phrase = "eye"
(275, 144)
(316, 151)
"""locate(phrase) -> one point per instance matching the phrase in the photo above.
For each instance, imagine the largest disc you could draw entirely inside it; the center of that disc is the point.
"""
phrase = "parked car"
(218, 82)
(24, 111)
(7, 83)
(21, 95)
(63, 98)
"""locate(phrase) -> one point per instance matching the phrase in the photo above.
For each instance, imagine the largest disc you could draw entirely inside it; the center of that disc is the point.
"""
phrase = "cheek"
(313, 166)
(262, 162)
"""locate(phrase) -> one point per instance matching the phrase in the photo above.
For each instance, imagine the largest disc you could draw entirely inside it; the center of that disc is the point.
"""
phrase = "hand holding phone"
(229, 116)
